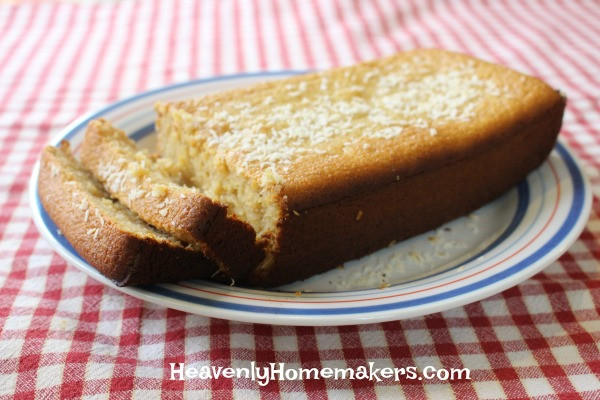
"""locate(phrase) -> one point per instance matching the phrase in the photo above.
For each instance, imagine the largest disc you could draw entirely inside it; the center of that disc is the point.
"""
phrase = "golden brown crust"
(137, 181)
(323, 237)
(124, 256)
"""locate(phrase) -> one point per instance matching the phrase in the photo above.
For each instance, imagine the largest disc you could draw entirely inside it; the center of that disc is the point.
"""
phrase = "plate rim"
(292, 317)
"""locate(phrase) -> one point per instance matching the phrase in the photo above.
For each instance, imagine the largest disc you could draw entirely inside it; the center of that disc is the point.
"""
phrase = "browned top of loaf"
(328, 135)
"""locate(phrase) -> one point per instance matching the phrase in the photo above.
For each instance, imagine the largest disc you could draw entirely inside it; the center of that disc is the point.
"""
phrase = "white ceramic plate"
(469, 259)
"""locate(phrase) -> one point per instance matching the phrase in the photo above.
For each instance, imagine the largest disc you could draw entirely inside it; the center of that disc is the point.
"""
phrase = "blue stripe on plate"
(142, 132)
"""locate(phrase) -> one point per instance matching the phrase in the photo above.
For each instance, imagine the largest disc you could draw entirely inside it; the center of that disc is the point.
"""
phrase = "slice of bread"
(107, 234)
(146, 187)
(330, 166)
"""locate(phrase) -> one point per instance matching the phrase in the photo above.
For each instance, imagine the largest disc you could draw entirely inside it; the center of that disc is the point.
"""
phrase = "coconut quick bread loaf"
(147, 188)
(106, 233)
(330, 166)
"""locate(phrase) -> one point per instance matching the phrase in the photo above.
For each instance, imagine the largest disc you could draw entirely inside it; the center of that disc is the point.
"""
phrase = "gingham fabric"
(64, 335)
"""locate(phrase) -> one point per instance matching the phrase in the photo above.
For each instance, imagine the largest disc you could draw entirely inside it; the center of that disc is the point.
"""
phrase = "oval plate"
(496, 247)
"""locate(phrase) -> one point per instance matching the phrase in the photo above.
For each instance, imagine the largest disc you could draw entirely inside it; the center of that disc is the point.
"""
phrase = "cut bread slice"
(107, 234)
(146, 187)
(330, 166)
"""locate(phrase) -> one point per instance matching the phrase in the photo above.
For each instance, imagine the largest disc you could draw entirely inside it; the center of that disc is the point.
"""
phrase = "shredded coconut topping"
(309, 119)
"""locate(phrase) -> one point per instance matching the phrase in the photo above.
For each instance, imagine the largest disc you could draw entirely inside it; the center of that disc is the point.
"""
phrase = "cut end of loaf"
(255, 199)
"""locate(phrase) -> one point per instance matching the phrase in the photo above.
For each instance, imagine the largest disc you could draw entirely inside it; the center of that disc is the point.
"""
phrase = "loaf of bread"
(146, 187)
(330, 166)
(106, 233)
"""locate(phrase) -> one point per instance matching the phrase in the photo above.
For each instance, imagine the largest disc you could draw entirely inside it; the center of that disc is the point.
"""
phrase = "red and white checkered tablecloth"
(65, 335)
